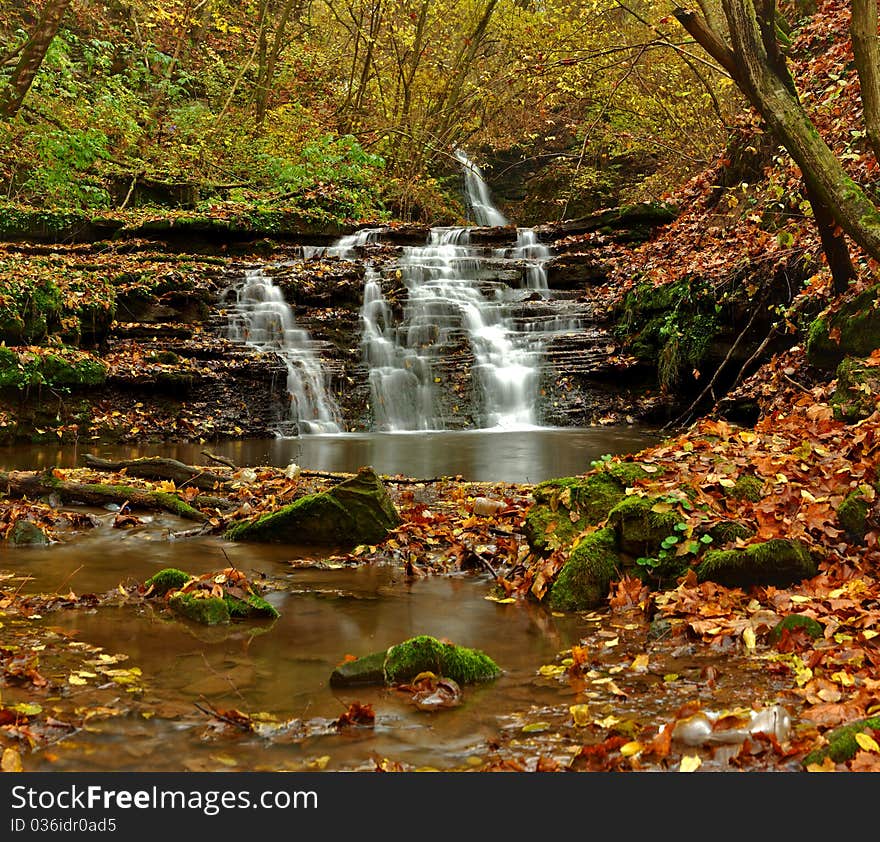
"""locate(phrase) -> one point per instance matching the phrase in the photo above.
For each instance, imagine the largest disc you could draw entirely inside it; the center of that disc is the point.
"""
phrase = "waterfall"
(477, 194)
(261, 318)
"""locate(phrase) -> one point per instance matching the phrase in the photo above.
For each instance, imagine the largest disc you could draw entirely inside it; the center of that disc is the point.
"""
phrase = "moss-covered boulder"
(853, 330)
(564, 507)
(356, 511)
(857, 393)
(212, 598)
(746, 487)
(641, 524)
(167, 579)
(842, 745)
(795, 622)
(210, 610)
(779, 562)
(26, 533)
(852, 513)
(406, 660)
(584, 579)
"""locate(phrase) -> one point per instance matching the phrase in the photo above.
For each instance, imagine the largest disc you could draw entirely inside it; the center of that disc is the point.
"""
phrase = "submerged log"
(156, 467)
(34, 484)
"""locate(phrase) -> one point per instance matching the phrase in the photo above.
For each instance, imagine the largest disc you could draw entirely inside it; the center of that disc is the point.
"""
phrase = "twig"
(220, 460)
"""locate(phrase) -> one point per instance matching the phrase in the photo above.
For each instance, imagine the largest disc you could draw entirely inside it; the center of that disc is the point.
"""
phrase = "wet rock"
(406, 660)
(26, 533)
(356, 511)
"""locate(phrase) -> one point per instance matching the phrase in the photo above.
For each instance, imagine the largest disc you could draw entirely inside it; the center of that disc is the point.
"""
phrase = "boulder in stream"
(403, 662)
(358, 510)
(212, 598)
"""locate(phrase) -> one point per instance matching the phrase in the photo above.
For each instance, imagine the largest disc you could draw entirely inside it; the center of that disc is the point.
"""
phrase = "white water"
(262, 319)
(452, 294)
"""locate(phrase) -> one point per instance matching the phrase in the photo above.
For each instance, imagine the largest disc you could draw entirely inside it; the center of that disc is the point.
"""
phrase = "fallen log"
(157, 467)
(35, 484)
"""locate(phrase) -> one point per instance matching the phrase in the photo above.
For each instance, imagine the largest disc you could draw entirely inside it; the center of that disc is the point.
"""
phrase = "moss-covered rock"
(728, 531)
(583, 581)
(779, 562)
(842, 745)
(564, 507)
(211, 610)
(792, 622)
(857, 393)
(641, 525)
(26, 533)
(167, 579)
(746, 488)
(406, 660)
(853, 330)
(357, 511)
(852, 513)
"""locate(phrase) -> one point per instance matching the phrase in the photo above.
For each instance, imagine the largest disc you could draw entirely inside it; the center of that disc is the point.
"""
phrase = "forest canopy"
(352, 108)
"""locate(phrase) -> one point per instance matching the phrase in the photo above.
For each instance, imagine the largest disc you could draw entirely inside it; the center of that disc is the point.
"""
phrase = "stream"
(280, 669)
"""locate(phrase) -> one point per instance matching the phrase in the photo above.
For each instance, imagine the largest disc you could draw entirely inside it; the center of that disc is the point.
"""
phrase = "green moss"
(168, 579)
(855, 327)
(857, 392)
(747, 488)
(778, 562)
(251, 607)
(852, 514)
(211, 611)
(842, 745)
(795, 621)
(357, 511)
(640, 529)
(590, 498)
(583, 581)
(424, 653)
(728, 531)
(370, 669)
(62, 367)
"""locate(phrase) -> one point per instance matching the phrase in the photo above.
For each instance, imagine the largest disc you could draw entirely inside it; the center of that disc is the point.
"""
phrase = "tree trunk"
(866, 51)
(32, 57)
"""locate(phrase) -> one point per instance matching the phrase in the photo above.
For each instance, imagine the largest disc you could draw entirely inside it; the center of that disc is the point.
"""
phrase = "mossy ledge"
(167, 579)
(779, 562)
(404, 661)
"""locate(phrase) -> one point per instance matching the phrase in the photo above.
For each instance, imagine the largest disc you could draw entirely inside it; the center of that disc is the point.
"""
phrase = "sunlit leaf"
(690, 763)
(631, 748)
(867, 743)
(580, 714)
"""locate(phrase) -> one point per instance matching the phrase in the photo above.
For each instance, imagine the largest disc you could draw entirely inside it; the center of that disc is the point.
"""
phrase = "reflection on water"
(525, 456)
(282, 668)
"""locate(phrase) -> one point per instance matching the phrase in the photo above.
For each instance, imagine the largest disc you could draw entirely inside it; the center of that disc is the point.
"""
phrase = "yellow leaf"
(607, 722)
(869, 633)
(166, 485)
(611, 643)
(534, 727)
(580, 714)
(690, 763)
(749, 638)
(640, 663)
(867, 743)
(551, 669)
(75, 679)
(797, 598)
(843, 678)
(747, 436)
(670, 677)
(11, 760)
(726, 482)
(631, 748)
(501, 601)
(319, 763)
(781, 478)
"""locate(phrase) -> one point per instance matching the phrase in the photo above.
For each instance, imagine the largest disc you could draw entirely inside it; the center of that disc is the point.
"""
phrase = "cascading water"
(453, 291)
(261, 318)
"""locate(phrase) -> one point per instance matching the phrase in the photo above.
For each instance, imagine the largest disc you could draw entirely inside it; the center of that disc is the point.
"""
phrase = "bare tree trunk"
(32, 57)
(866, 51)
